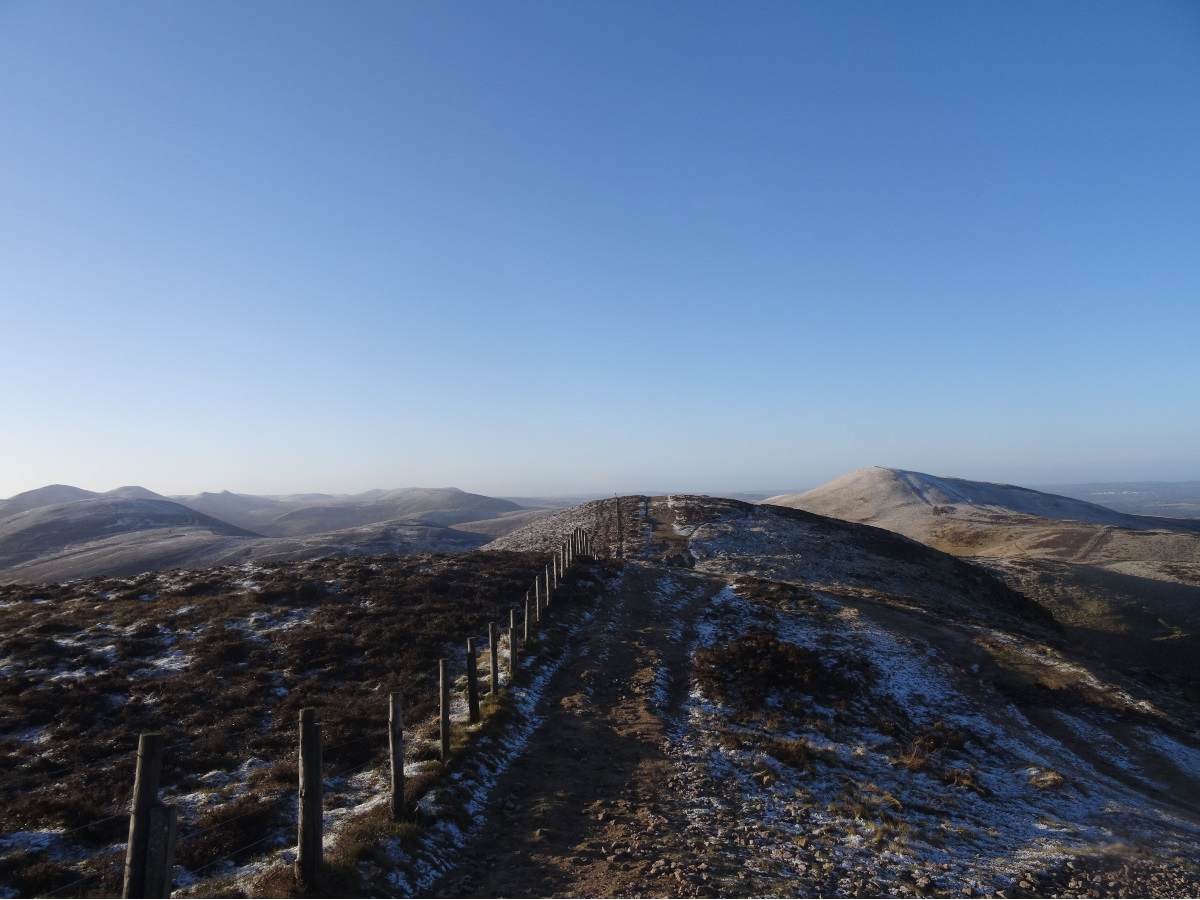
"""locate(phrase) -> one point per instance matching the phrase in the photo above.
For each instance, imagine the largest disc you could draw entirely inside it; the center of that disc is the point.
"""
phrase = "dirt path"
(588, 807)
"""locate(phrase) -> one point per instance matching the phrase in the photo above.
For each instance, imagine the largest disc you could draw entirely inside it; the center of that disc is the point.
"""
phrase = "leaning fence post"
(396, 751)
(309, 843)
(145, 795)
(472, 683)
(160, 851)
(444, 707)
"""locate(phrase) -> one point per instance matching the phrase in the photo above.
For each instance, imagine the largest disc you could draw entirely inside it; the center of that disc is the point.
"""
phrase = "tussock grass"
(1046, 779)
(779, 595)
(758, 675)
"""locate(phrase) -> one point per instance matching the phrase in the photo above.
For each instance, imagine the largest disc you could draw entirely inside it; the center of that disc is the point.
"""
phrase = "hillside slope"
(313, 514)
(913, 503)
(51, 495)
(45, 530)
(60, 532)
(734, 701)
(1129, 585)
(132, 553)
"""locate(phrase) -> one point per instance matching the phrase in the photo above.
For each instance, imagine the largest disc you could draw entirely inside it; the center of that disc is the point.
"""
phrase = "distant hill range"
(61, 532)
(1147, 498)
(317, 513)
(1129, 584)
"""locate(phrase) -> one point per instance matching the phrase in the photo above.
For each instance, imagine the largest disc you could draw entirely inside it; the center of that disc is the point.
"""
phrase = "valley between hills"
(728, 699)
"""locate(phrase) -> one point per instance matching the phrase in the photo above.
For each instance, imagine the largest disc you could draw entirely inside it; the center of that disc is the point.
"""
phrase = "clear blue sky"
(570, 247)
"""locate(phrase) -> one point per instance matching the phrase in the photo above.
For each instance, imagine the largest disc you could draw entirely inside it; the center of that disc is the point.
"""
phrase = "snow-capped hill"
(877, 495)
(1130, 583)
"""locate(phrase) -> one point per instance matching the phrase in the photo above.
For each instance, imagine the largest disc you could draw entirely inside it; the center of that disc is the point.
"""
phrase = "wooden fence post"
(547, 587)
(537, 601)
(526, 639)
(396, 751)
(145, 795)
(310, 840)
(620, 530)
(444, 707)
(472, 683)
(494, 654)
(512, 642)
(160, 851)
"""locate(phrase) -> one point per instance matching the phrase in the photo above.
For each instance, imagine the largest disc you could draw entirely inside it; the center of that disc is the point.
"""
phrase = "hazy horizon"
(583, 496)
(541, 249)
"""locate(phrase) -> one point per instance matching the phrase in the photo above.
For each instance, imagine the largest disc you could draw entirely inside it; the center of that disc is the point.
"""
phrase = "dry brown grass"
(759, 676)
(76, 676)
(1046, 779)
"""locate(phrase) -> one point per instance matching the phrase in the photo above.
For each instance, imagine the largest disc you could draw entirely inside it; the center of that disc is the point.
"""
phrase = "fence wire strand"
(89, 877)
(279, 832)
(274, 803)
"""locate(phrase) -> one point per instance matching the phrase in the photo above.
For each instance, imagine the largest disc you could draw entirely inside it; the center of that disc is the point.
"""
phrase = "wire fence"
(522, 624)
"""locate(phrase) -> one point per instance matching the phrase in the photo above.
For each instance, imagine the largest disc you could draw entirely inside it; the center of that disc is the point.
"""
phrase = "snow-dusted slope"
(977, 518)
(879, 496)
(49, 495)
(1128, 583)
(61, 532)
(49, 529)
(314, 514)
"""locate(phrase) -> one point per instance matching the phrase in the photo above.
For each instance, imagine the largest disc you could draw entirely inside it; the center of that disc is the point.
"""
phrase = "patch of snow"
(1186, 759)
(968, 841)
(172, 661)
